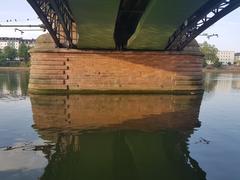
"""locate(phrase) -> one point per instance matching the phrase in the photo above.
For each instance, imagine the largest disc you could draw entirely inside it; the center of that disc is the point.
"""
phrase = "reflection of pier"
(151, 112)
(130, 143)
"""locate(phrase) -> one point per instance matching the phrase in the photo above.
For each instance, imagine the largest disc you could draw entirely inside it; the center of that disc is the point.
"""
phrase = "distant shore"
(231, 69)
(214, 70)
(14, 68)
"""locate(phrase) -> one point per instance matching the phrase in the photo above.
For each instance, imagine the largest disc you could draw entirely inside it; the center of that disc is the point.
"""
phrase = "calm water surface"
(120, 136)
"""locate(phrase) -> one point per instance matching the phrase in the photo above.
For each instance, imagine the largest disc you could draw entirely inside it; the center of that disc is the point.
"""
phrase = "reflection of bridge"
(118, 136)
(144, 25)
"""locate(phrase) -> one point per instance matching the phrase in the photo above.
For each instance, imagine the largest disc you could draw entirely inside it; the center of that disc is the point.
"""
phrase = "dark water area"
(112, 137)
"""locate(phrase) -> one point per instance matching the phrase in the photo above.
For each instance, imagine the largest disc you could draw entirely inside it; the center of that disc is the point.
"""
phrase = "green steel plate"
(160, 21)
(96, 22)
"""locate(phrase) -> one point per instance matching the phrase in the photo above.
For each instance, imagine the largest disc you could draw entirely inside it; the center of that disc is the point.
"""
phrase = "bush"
(217, 64)
(10, 53)
(210, 53)
(23, 52)
(205, 63)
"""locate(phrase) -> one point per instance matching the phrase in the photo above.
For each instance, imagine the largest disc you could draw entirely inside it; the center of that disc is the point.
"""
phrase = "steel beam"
(57, 19)
(65, 18)
(25, 26)
(203, 18)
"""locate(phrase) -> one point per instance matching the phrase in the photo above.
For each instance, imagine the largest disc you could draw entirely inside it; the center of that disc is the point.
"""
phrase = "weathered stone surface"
(44, 41)
(115, 72)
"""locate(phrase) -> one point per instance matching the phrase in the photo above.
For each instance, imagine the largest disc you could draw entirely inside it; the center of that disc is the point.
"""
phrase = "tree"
(23, 52)
(210, 54)
(10, 53)
(238, 62)
(218, 64)
(2, 57)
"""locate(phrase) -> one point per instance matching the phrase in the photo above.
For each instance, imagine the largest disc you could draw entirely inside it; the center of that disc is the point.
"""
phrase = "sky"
(21, 11)
(227, 28)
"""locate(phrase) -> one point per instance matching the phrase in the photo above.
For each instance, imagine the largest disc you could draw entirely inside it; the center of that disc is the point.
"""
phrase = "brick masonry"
(76, 71)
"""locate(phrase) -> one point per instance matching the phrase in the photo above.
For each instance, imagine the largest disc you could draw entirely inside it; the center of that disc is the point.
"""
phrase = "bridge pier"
(56, 70)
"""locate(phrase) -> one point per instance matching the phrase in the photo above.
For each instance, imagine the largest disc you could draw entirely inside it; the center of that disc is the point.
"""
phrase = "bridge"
(133, 25)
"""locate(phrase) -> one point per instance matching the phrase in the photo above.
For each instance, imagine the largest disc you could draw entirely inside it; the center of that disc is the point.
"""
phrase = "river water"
(108, 137)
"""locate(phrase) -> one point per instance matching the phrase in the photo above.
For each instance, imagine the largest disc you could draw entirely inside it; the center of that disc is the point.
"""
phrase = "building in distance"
(237, 57)
(226, 57)
(15, 42)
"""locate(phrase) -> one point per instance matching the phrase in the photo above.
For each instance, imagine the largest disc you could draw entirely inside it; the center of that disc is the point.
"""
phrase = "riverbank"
(14, 68)
(228, 69)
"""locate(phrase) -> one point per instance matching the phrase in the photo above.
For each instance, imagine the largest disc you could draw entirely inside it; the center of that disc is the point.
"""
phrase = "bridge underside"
(129, 24)
(93, 29)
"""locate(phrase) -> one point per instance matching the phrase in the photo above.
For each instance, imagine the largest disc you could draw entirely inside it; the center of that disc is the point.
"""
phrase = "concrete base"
(75, 71)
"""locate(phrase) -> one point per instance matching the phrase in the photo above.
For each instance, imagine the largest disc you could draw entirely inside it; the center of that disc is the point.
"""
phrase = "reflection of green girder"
(123, 155)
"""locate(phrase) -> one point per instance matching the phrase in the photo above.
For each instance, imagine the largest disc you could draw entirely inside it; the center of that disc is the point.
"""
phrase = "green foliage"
(10, 53)
(2, 57)
(204, 63)
(28, 64)
(210, 54)
(217, 64)
(23, 52)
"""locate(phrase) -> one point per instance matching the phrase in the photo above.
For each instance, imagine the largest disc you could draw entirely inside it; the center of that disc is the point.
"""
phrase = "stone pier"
(56, 70)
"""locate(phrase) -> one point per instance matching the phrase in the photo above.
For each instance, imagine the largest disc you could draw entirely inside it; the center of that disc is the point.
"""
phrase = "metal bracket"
(203, 18)
(58, 20)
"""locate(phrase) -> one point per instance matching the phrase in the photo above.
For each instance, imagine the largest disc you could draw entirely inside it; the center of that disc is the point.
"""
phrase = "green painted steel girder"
(135, 24)
(95, 22)
(160, 21)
